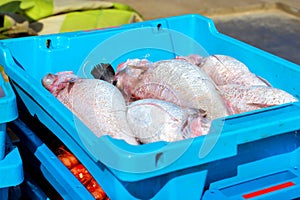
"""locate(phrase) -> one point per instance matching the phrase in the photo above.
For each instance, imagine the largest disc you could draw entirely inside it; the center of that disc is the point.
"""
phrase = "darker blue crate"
(11, 170)
(51, 167)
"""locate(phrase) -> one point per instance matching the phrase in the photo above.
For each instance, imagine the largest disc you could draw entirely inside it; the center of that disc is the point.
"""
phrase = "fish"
(153, 120)
(174, 80)
(244, 98)
(225, 70)
(97, 103)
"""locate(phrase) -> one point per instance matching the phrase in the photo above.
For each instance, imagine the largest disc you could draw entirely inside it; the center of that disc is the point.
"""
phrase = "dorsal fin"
(103, 71)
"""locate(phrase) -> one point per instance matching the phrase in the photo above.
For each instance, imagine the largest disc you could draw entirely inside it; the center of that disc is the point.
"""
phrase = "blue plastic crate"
(187, 168)
(8, 108)
(51, 167)
(11, 170)
(2, 140)
(274, 173)
(8, 105)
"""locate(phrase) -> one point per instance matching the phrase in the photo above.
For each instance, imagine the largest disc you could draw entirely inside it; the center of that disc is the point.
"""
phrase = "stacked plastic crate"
(11, 170)
(251, 155)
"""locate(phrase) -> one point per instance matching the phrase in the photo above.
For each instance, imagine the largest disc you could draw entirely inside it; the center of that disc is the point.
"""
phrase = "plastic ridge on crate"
(8, 108)
(11, 171)
(148, 171)
(2, 140)
(8, 105)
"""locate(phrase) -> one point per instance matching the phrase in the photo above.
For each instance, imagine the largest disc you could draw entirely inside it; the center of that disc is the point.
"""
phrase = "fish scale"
(184, 84)
(227, 70)
(155, 120)
(99, 105)
(247, 98)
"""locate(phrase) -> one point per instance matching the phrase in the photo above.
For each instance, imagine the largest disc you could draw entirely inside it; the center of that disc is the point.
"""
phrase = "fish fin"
(261, 105)
(230, 108)
(265, 81)
(103, 71)
(70, 86)
(203, 112)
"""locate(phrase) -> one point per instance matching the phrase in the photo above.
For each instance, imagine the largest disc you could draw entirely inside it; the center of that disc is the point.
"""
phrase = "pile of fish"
(167, 100)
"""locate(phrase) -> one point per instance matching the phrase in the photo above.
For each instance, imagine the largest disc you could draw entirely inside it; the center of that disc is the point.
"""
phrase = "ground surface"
(270, 25)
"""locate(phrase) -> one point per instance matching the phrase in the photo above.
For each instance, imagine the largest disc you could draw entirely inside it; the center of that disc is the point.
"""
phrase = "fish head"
(200, 126)
(197, 123)
(129, 73)
(56, 82)
(48, 80)
(134, 63)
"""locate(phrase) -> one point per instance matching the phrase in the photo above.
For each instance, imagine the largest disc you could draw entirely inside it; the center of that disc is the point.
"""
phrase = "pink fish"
(176, 81)
(227, 70)
(155, 120)
(241, 98)
(98, 104)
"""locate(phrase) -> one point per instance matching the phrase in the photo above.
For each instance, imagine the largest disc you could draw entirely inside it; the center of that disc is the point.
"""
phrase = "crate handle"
(268, 190)
(263, 187)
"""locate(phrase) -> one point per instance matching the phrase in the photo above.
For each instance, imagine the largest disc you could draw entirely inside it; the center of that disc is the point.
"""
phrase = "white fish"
(155, 120)
(241, 98)
(175, 81)
(226, 70)
(98, 104)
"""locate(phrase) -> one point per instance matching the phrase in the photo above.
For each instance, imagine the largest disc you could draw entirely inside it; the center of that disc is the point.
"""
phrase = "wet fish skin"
(225, 70)
(241, 98)
(175, 81)
(155, 120)
(97, 103)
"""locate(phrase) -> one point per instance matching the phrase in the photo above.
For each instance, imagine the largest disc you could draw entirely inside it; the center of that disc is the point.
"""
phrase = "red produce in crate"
(81, 173)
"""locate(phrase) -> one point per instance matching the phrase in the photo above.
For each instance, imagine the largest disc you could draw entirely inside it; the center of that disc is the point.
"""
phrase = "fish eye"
(48, 80)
